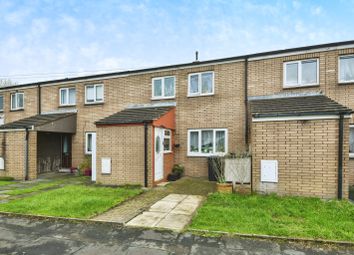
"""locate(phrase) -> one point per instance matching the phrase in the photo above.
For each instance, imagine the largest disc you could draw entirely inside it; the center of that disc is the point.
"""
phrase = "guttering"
(300, 117)
(146, 154)
(39, 99)
(340, 156)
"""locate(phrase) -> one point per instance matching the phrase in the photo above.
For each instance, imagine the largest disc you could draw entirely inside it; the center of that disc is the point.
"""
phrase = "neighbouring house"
(291, 108)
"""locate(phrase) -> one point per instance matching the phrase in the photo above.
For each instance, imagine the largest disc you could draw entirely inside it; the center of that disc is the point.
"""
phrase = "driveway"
(29, 236)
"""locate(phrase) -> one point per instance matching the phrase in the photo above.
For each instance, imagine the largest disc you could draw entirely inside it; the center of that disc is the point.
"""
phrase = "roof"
(195, 63)
(296, 106)
(35, 121)
(135, 115)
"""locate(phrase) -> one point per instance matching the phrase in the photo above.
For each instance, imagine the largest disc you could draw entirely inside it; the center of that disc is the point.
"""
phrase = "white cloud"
(317, 10)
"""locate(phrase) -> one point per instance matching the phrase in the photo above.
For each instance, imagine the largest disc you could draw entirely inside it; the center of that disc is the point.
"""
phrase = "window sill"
(203, 95)
(204, 156)
(342, 83)
(167, 152)
(161, 98)
(351, 155)
(94, 104)
(17, 110)
(300, 86)
(67, 106)
(106, 174)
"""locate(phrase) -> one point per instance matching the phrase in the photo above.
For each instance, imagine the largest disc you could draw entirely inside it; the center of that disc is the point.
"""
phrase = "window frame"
(339, 58)
(162, 78)
(67, 94)
(351, 155)
(169, 137)
(199, 94)
(2, 109)
(86, 143)
(95, 96)
(16, 95)
(199, 153)
(299, 73)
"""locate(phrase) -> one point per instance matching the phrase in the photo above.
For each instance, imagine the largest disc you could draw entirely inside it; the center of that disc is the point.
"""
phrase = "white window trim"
(95, 100)
(16, 94)
(200, 85)
(67, 94)
(351, 155)
(299, 73)
(86, 142)
(163, 88)
(168, 137)
(200, 154)
(2, 109)
(343, 56)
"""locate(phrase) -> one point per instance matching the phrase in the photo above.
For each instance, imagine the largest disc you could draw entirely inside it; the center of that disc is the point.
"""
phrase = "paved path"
(173, 212)
(25, 236)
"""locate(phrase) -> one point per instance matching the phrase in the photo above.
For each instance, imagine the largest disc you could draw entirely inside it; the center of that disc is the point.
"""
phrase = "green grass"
(3, 183)
(35, 188)
(278, 216)
(78, 201)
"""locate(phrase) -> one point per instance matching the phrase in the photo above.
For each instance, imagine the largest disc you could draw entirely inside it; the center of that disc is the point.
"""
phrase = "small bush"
(86, 164)
(6, 178)
(178, 169)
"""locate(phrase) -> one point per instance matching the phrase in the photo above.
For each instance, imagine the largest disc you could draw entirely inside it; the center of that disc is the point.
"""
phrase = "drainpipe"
(39, 99)
(246, 102)
(145, 154)
(340, 157)
(26, 154)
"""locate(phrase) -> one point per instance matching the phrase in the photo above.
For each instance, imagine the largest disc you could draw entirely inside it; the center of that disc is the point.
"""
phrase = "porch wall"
(307, 154)
(12, 149)
(125, 146)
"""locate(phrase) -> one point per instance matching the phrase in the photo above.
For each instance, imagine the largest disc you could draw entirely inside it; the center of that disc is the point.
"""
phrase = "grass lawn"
(278, 216)
(3, 183)
(78, 201)
(37, 187)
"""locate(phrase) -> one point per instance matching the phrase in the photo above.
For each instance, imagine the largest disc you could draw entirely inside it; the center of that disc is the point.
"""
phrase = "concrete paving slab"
(175, 222)
(174, 197)
(193, 199)
(147, 219)
(185, 208)
(163, 206)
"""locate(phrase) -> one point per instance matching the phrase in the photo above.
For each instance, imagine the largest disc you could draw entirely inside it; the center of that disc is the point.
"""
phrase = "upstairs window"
(200, 84)
(206, 142)
(301, 73)
(163, 87)
(67, 96)
(1, 103)
(94, 94)
(346, 69)
(17, 101)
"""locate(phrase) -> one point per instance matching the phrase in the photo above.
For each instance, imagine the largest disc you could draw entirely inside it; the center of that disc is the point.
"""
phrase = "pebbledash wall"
(224, 109)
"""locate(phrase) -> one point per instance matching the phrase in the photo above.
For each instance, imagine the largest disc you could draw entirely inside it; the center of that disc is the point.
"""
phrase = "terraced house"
(291, 108)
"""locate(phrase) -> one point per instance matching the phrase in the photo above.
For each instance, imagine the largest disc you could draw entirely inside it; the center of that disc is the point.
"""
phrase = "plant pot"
(224, 187)
(88, 172)
(173, 176)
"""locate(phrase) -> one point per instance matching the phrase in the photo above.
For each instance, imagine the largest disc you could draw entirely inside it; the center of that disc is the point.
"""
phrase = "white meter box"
(269, 170)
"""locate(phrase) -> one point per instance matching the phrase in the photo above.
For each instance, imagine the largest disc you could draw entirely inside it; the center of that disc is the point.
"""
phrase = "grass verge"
(3, 183)
(75, 201)
(277, 216)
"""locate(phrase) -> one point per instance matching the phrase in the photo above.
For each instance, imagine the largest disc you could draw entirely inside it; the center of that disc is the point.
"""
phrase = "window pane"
(63, 99)
(167, 132)
(72, 96)
(351, 140)
(291, 74)
(193, 87)
(347, 69)
(167, 144)
(157, 88)
(169, 87)
(13, 101)
(309, 72)
(90, 94)
(220, 141)
(89, 143)
(20, 100)
(99, 93)
(1, 103)
(207, 83)
(194, 142)
(207, 141)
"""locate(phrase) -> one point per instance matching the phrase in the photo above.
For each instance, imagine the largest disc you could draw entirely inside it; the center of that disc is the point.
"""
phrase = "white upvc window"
(17, 101)
(207, 142)
(88, 142)
(351, 141)
(1, 103)
(346, 69)
(163, 87)
(94, 93)
(67, 96)
(167, 141)
(301, 73)
(201, 84)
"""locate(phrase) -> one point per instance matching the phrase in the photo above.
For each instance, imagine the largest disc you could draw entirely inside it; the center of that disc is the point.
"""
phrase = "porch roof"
(296, 106)
(135, 115)
(56, 122)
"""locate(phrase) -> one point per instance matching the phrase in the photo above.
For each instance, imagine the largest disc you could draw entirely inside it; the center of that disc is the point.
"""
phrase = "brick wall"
(125, 146)
(351, 171)
(13, 151)
(307, 153)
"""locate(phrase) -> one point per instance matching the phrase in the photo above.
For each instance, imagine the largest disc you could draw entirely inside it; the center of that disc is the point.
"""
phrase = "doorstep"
(173, 212)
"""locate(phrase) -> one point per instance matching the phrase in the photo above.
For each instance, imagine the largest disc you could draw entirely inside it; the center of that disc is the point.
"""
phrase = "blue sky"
(44, 39)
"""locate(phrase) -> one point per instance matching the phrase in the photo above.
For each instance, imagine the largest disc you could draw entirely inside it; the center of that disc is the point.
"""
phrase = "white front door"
(93, 157)
(159, 132)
